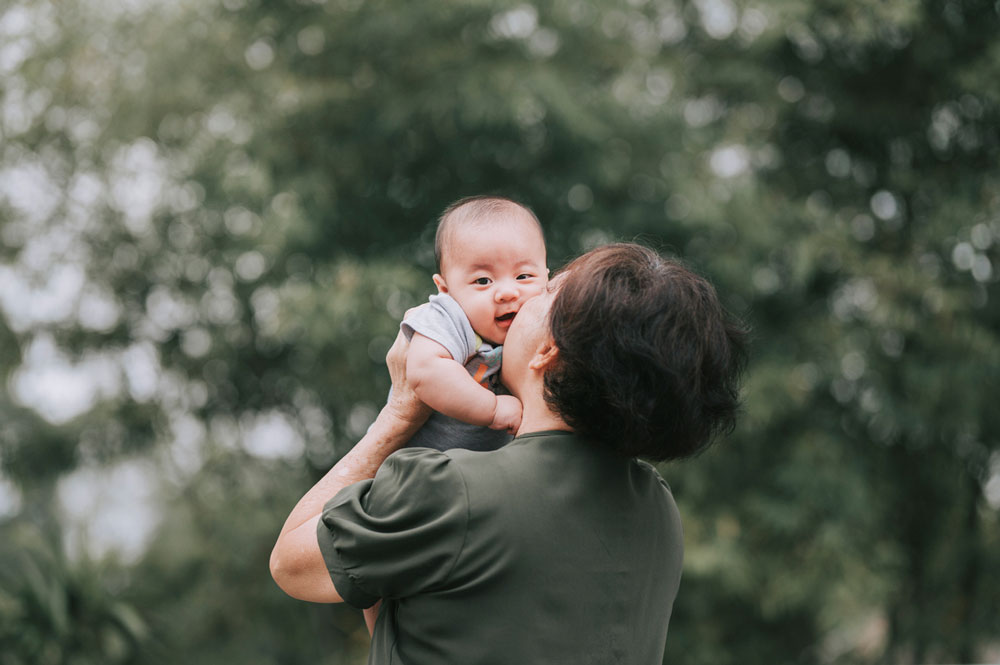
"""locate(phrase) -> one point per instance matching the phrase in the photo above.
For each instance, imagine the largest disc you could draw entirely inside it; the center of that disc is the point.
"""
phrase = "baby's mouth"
(509, 316)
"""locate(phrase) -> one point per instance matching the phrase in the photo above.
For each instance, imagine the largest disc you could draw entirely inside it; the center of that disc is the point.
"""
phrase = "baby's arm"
(442, 383)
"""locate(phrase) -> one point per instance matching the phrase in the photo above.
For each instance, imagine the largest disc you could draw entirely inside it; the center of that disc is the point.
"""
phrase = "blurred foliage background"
(213, 214)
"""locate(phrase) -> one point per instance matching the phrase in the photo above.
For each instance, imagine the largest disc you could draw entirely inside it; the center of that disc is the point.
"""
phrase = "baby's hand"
(507, 414)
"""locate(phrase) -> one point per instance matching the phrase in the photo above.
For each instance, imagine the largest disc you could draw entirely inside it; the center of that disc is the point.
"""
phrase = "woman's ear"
(544, 356)
(440, 283)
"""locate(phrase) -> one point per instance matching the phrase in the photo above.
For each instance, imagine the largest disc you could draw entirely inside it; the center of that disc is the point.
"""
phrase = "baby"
(491, 258)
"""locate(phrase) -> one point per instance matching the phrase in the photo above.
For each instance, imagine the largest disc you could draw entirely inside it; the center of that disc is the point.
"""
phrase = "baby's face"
(490, 271)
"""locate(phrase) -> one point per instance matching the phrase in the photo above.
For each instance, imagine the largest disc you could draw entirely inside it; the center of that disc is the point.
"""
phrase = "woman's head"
(648, 361)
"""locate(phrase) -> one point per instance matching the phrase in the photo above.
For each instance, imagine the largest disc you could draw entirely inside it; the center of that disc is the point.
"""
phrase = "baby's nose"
(505, 292)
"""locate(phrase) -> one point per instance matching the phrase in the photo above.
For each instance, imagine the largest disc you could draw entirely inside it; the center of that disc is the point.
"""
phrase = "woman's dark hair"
(649, 362)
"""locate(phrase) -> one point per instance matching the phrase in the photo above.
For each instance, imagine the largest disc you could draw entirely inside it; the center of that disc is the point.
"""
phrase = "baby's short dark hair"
(475, 209)
(649, 362)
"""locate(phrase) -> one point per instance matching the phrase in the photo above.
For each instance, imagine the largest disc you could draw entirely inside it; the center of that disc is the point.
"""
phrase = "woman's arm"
(296, 562)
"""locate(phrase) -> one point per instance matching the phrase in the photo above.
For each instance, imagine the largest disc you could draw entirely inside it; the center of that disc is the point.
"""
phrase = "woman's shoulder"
(414, 468)
(645, 468)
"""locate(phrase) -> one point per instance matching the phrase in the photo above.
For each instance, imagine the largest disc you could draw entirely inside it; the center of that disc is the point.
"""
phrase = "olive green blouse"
(552, 549)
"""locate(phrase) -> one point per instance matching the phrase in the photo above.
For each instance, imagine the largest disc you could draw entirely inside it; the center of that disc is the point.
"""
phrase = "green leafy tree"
(216, 213)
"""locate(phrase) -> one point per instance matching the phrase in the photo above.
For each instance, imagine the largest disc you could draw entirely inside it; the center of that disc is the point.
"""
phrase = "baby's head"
(491, 258)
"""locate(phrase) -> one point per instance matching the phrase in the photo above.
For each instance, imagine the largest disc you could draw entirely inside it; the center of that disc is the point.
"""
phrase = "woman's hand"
(403, 404)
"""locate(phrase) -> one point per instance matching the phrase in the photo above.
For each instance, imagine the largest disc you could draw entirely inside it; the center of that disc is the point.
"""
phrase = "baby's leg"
(370, 615)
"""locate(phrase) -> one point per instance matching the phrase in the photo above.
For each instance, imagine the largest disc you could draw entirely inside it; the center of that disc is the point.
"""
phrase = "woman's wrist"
(399, 419)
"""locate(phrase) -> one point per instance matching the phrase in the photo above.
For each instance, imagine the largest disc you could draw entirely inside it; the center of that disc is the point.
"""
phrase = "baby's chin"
(493, 336)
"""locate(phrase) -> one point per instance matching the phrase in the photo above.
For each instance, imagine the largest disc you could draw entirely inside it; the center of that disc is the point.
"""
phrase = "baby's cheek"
(535, 289)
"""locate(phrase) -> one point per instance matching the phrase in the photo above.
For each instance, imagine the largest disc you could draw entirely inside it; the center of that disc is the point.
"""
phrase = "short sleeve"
(398, 534)
(441, 319)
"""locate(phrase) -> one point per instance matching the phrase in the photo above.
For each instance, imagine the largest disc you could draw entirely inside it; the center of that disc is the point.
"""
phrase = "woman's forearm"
(390, 431)
(297, 564)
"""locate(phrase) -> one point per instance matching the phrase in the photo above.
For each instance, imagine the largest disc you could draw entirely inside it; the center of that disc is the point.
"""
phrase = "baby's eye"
(525, 275)
(482, 281)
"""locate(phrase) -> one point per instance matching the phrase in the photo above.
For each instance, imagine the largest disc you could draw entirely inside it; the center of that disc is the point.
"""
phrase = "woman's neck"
(536, 416)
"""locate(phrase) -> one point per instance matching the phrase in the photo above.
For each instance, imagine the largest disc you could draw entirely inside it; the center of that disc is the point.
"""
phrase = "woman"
(561, 546)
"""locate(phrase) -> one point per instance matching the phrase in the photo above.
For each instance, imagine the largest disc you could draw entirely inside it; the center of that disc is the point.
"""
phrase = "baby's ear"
(439, 282)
